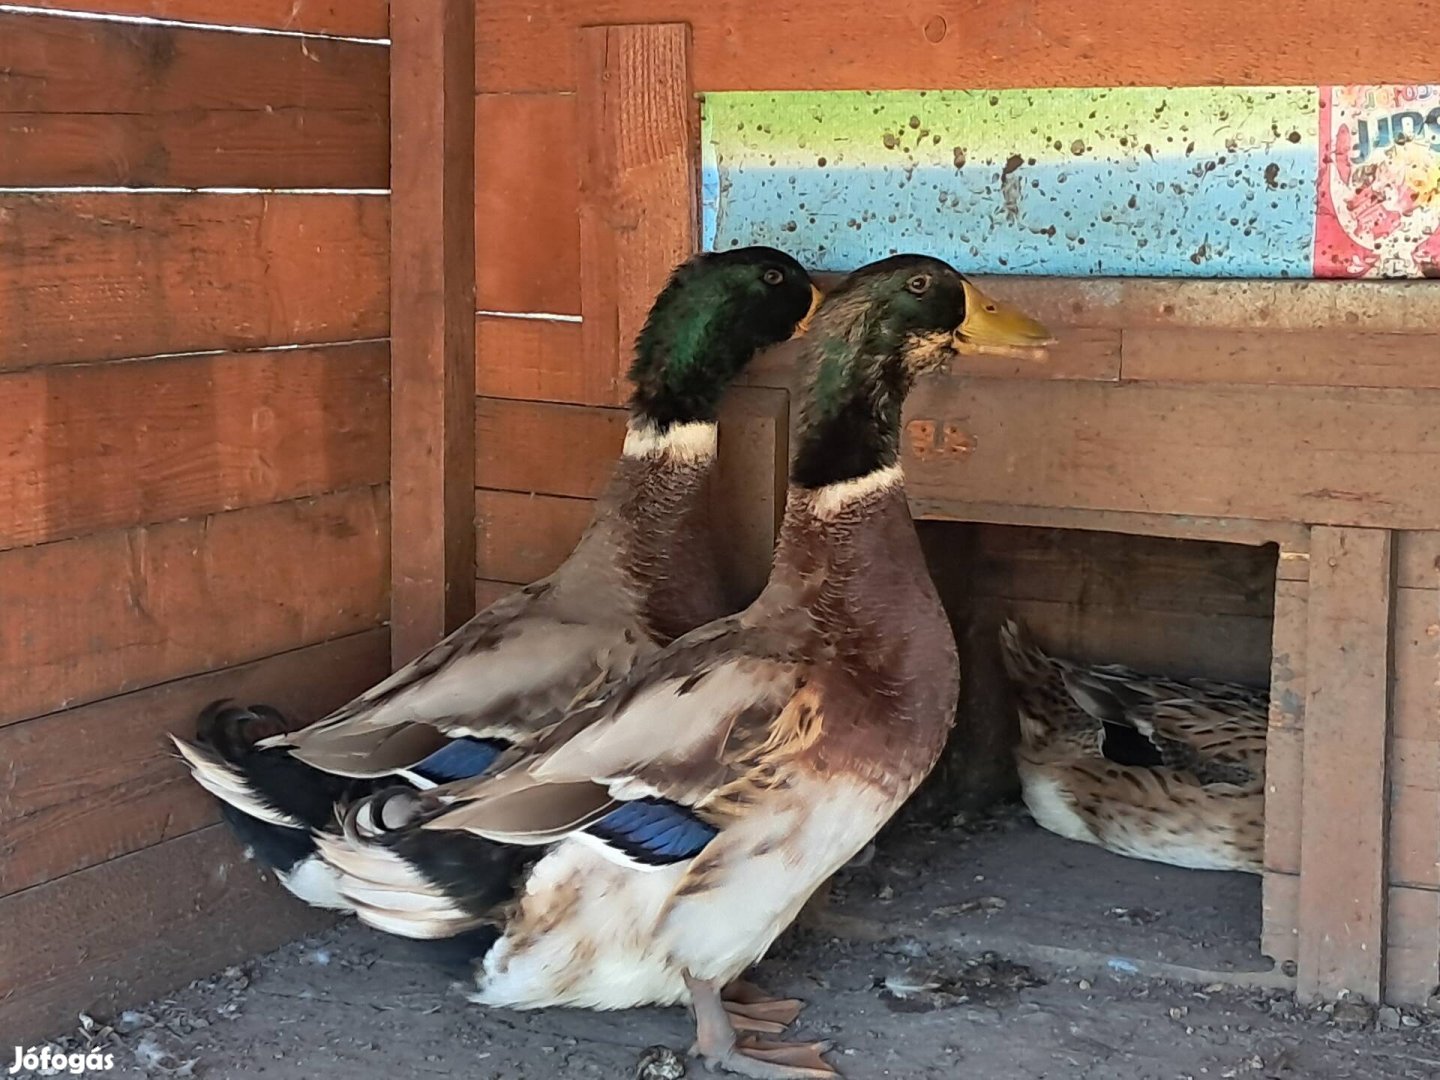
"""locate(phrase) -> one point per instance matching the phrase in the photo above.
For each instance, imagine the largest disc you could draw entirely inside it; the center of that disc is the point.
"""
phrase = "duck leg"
(751, 1009)
(759, 1059)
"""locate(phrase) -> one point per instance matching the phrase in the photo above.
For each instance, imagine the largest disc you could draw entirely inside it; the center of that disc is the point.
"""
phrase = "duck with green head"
(643, 573)
(658, 839)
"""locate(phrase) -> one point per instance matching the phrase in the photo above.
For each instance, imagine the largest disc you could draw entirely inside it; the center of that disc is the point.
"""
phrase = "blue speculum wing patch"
(460, 759)
(1198, 182)
(654, 831)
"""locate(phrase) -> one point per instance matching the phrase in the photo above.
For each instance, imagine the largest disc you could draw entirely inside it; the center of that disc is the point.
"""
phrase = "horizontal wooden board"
(488, 592)
(1415, 695)
(1293, 358)
(103, 103)
(102, 276)
(101, 781)
(88, 448)
(1414, 855)
(534, 359)
(120, 933)
(351, 18)
(1341, 456)
(1412, 945)
(537, 446)
(527, 186)
(848, 44)
(521, 538)
(125, 609)
(1417, 559)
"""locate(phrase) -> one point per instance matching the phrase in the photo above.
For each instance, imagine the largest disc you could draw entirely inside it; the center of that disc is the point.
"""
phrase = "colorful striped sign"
(1196, 182)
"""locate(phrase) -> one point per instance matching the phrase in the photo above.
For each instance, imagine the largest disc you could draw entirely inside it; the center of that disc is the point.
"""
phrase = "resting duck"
(662, 835)
(643, 573)
(1148, 767)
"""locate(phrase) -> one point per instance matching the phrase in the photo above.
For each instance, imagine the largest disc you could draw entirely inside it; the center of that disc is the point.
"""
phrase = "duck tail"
(271, 801)
(444, 888)
(1040, 684)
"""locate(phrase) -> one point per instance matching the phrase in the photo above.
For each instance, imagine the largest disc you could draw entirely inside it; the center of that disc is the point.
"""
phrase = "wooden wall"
(194, 457)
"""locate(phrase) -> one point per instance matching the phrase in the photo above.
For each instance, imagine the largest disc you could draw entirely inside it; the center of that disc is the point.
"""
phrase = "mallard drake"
(1161, 769)
(659, 838)
(643, 573)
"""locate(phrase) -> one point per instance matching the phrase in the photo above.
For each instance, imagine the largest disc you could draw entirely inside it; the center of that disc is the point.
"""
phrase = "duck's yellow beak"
(816, 299)
(995, 328)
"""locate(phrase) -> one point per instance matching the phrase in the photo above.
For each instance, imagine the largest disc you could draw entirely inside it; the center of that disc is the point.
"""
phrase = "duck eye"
(919, 284)
(773, 276)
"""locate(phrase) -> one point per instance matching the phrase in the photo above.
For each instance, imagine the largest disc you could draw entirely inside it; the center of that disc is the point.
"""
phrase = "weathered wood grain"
(351, 18)
(639, 186)
(125, 609)
(432, 294)
(533, 359)
(1343, 842)
(104, 276)
(102, 103)
(1412, 947)
(1281, 357)
(111, 445)
(122, 932)
(537, 446)
(520, 538)
(101, 781)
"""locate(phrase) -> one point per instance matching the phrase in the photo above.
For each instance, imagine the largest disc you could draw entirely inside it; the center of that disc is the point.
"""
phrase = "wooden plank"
(89, 448)
(1417, 560)
(1412, 948)
(1367, 457)
(93, 103)
(639, 186)
(521, 538)
(97, 277)
(747, 490)
(1290, 358)
(1343, 844)
(120, 933)
(1285, 739)
(432, 295)
(537, 446)
(1134, 523)
(532, 359)
(527, 190)
(351, 18)
(100, 781)
(1415, 813)
(1280, 938)
(1415, 701)
(125, 609)
(744, 46)
(487, 592)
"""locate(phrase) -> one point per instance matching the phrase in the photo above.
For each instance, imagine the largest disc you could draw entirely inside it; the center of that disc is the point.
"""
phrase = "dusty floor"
(906, 992)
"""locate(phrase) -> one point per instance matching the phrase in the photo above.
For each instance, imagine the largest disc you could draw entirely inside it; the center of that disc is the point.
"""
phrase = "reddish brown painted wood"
(93, 103)
(125, 931)
(1343, 843)
(546, 448)
(1293, 358)
(1367, 457)
(432, 411)
(89, 448)
(747, 491)
(527, 187)
(126, 609)
(96, 277)
(101, 781)
(488, 592)
(639, 177)
(849, 44)
(521, 538)
(533, 359)
(351, 18)
(1412, 948)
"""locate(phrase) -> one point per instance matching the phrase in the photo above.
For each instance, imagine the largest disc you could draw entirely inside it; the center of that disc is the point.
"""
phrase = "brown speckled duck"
(658, 839)
(643, 573)
(1144, 766)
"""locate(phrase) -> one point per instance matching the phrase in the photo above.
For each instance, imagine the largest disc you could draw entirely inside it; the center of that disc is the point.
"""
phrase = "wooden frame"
(432, 411)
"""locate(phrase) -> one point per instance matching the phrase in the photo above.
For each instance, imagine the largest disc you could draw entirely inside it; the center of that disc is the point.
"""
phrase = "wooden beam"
(1347, 698)
(639, 186)
(432, 418)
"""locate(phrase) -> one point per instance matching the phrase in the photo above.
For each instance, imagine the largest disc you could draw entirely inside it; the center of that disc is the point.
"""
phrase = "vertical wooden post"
(639, 186)
(432, 390)
(1343, 867)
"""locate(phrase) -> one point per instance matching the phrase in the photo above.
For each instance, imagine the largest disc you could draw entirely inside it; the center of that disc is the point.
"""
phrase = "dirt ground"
(897, 975)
